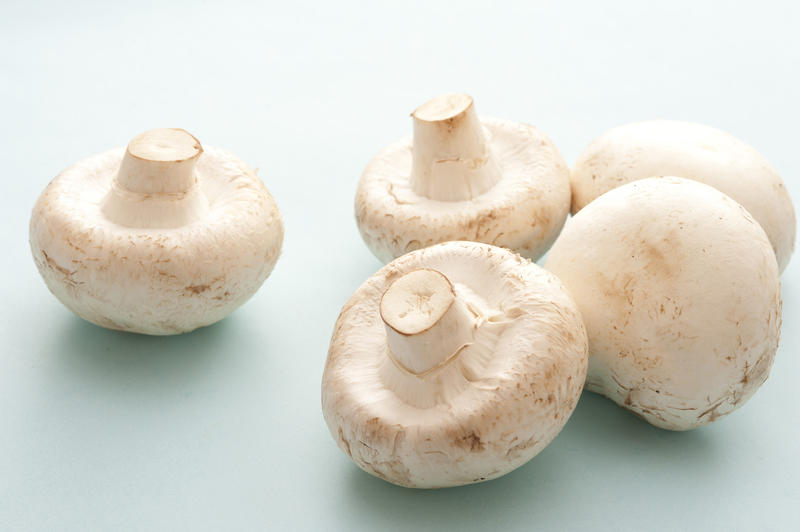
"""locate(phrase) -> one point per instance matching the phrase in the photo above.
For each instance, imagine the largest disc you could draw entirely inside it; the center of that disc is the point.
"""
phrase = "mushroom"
(463, 178)
(694, 151)
(680, 293)
(452, 365)
(161, 238)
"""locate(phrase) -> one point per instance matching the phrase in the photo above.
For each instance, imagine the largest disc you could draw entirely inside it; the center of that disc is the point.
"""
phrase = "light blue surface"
(221, 429)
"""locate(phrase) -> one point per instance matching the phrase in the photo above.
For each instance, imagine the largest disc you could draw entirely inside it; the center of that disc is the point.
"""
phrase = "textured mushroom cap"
(679, 290)
(508, 406)
(524, 211)
(694, 151)
(156, 280)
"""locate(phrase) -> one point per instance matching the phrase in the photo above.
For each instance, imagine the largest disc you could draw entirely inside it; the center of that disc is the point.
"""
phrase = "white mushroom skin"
(161, 238)
(694, 151)
(452, 365)
(679, 290)
(463, 178)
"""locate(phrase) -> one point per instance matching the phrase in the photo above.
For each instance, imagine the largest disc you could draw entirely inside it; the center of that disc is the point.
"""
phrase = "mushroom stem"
(156, 185)
(427, 324)
(160, 161)
(452, 161)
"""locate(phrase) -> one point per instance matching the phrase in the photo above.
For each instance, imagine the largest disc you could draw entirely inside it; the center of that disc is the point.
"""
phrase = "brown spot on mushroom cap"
(197, 289)
(345, 443)
(470, 441)
(67, 274)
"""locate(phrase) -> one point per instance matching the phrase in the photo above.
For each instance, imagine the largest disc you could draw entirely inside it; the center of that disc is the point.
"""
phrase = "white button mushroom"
(679, 290)
(694, 151)
(463, 178)
(452, 365)
(161, 238)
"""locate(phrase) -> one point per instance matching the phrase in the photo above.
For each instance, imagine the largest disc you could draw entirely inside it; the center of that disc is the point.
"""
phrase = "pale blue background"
(221, 429)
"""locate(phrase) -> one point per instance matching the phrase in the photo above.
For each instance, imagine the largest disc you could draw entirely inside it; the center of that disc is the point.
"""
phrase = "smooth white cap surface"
(679, 290)
(694, 151)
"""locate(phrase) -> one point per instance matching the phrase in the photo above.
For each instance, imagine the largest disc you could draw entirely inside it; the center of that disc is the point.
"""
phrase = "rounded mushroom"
(452, 365)
(161, 238)
(679, 290)
(463, 178)
(694, 151)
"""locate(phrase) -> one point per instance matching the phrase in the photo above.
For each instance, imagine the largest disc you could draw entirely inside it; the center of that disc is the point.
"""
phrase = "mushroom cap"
(679, 290)
(694, 151)
(507, 406)
(156, 280)
(524, 211)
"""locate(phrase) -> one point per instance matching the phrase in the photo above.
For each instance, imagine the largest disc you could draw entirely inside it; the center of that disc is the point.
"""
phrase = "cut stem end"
(160, 161)
(426, 323)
